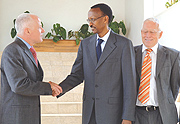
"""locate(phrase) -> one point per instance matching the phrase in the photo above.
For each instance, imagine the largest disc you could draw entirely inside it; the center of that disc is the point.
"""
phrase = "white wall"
(134, 16)
(71, 14)
(170, 25)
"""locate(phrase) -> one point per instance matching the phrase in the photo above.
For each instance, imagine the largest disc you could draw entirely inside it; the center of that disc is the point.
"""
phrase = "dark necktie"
(98, 48)
(34, 54)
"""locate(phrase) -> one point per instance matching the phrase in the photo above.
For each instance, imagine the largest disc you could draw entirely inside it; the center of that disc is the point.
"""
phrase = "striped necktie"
(144, 87)
(34, 54)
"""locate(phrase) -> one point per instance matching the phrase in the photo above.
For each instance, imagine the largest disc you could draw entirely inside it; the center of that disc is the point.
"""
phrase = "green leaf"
(124, 31)
(55, 29)
(115, 27)
(63, 32)
(14, 22)
(42, 24)
(116, 30)
(58, 26)
(56, 39)
(70, 34)
(48, 35)
(167, 4)
(84, 28)
(13, 32)
(77, 41)
(26, 12)
(123, 27)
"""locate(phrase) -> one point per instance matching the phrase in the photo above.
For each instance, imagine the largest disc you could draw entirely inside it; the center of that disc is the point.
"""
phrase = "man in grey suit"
(21, 75)
(109, 83)
(159, 107)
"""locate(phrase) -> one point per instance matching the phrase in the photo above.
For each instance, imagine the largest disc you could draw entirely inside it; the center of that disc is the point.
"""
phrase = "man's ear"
(27, 31)
(106, 19)
(160, 34)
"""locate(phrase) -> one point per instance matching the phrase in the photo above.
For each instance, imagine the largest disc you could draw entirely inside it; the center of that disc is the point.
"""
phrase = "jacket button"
(96, 85)
(97, 72)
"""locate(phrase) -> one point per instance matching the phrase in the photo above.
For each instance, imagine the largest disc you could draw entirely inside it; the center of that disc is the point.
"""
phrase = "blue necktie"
(98, 49)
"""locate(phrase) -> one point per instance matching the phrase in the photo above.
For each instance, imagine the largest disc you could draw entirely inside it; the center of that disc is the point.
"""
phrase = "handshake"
(56, 89)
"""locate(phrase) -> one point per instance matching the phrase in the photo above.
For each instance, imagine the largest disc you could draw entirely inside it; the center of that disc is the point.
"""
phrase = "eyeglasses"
(93, 20)
(151, 32)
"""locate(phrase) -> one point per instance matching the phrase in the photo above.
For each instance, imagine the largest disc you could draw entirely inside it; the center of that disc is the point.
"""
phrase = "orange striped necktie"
(144, 87)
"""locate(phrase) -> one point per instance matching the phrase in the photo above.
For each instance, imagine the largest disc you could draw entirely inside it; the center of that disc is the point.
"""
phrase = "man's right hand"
(56, 89)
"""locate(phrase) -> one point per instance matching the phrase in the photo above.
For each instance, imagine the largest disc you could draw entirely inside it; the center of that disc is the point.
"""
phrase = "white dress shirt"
(153, 101)
(105, 38)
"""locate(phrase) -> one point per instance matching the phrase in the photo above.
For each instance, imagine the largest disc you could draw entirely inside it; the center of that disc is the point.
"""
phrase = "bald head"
(23, 21)
(156, 21)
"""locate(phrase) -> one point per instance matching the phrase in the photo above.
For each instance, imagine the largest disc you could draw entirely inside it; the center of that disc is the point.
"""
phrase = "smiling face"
(100, 23)
(150, 33)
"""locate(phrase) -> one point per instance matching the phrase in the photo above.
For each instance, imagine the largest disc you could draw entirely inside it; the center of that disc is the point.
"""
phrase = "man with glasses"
(158, 78)
(106, 64)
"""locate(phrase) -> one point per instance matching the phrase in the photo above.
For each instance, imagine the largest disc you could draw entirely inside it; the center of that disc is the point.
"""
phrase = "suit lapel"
(28, 53)
(26, 50)
(138, 57)
(92, 49)
(109, 47)
(161, 57)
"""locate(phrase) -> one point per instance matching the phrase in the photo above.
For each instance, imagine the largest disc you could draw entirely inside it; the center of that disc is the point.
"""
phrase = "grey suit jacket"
(21, 85)
(167, 80)
(108, 84)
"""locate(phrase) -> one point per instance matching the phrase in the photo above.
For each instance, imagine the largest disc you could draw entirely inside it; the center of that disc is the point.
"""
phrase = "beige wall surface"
(71, 14)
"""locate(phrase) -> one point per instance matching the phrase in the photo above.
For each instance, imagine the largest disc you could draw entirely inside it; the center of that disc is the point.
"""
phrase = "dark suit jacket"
(21, 85)
(167, 80)
(109, 84)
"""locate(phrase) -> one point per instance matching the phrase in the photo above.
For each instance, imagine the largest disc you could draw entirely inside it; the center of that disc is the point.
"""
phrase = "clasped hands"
(56, 89)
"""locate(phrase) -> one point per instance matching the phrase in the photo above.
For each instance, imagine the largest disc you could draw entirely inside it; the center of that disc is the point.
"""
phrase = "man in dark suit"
(109, 83)
(21, 75)
(156, 99)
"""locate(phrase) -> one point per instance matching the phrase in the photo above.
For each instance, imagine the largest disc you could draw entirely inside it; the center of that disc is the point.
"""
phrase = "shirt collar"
(106, 36)
(153, 48)
(29, 46)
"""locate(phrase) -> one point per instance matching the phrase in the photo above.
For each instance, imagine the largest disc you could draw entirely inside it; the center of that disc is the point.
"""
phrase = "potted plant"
(81, 34)
(115, 26)
(57, 32)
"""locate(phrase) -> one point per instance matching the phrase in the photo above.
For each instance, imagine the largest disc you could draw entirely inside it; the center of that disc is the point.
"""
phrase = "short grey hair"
(155, 20)
(23, 21)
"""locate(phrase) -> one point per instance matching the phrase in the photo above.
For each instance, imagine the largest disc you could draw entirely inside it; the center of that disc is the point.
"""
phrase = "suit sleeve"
(18, 78)
(77, 75)
(175, 76)
(129, 82)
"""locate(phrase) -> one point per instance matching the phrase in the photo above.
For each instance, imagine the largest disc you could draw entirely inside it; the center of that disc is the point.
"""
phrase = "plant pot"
(61, 46)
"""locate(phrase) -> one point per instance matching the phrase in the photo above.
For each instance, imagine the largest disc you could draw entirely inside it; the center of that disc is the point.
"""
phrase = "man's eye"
(92, 19)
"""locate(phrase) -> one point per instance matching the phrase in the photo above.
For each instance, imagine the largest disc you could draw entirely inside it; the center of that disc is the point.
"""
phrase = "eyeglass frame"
(93, 20)
(152, 32)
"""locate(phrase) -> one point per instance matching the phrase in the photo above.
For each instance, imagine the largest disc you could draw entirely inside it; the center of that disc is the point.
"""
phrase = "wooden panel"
(61, 46)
